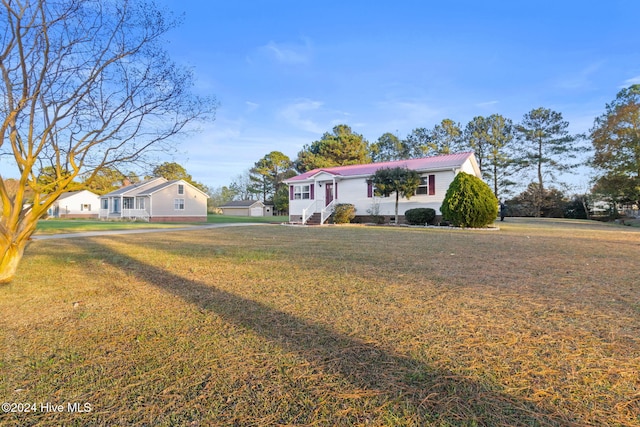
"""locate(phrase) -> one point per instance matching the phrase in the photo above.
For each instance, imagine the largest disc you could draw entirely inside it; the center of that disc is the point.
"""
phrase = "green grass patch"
(533, 325)
(225, 219)
(56, 226)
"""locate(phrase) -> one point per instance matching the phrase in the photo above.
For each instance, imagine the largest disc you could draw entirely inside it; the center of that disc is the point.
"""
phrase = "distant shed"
(244, 208)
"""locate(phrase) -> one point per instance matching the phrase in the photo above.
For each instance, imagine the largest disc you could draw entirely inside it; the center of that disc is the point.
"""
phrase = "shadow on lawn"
(435, 395)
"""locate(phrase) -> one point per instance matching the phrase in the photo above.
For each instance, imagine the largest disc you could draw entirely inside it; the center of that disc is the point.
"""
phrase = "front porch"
(313, 203)
(314, 214)
(125, 214)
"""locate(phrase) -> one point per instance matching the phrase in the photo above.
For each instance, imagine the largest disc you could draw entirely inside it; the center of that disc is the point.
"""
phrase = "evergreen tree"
(616, 139)
(545, 146)
(469, 202)
(340, 147)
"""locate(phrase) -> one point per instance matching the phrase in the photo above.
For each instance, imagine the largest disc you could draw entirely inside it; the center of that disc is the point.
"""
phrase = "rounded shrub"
(469, 202)
(343, 213)
(420, 216)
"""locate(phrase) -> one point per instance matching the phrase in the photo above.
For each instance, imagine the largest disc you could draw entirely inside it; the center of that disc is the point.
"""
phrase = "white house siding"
(239, 211)
(256, 211)
(163, 204)
(81, 204)
(353, 189)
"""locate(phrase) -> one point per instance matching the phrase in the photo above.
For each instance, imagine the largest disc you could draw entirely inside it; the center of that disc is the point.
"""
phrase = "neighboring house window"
(301, 192)
(85, 207)
(127, 203)
(105, 203)
(427, 185)
(178, 204)
(180, 189)
(140, 203)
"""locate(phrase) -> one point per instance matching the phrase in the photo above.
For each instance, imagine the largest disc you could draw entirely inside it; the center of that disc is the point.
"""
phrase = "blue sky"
(285, 72)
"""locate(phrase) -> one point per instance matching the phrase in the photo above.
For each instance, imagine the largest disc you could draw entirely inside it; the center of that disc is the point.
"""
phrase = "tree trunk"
(540, 183)
(397, 200)
(495, 181)
(10, 260)
(14, 237)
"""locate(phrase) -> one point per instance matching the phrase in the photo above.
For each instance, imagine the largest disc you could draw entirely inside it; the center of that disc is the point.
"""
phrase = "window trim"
(427, 186)
(178, 204)
(302, 190)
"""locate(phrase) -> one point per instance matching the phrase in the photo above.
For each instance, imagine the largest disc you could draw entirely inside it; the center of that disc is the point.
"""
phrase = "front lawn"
(536, 324)
(56, 226)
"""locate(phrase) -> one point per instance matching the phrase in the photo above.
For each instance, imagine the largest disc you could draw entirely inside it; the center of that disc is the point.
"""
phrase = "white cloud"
(251, 106)
(297, 115)
(632, 81)
(288, 53)
(581, 79)
(486, 104)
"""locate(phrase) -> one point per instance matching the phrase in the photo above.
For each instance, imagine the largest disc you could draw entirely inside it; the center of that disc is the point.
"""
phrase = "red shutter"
(335, 187)
(311, 187)
(432, 185)
(369, 189)
(291, 192)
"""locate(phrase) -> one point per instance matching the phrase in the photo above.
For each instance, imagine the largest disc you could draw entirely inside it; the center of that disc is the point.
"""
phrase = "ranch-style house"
(313, 194)
(156, 200)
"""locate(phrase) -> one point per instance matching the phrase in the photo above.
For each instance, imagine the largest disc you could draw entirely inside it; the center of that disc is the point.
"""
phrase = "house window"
(127, 203)
(301, 192)
(85, 207)
(105, 203)
(427, 185)
(423, 188)
(180, 189)
(371, 189)
(178, 204)
(140, 203)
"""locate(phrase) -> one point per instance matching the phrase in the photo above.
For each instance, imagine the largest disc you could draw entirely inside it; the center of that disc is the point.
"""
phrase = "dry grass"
(535, 324)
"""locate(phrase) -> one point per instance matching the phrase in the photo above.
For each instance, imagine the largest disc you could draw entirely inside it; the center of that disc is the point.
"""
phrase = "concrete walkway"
(139, 231)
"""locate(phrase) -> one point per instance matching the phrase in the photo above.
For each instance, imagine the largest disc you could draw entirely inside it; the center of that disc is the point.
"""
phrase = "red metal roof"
(444, 161)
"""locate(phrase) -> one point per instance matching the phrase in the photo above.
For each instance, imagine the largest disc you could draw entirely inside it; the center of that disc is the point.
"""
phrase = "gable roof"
(148, 187)
(241, 204)
(134, 188)
(150, 191)
(442, 162)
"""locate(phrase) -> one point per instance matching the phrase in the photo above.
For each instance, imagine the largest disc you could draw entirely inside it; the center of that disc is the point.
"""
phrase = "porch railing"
(308, 212)
(327, 211)
(135, 213)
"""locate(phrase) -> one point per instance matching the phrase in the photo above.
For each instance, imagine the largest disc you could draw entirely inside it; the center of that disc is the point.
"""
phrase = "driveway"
(139, 231)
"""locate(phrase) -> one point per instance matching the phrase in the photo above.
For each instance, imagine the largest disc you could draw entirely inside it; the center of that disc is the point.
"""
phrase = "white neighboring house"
(245, 208)
(313, 194)
(156, 200)
(75, 204)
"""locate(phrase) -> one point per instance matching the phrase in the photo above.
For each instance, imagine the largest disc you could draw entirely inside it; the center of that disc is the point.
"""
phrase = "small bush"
(343, 213)
(469, 202)
(420, 216)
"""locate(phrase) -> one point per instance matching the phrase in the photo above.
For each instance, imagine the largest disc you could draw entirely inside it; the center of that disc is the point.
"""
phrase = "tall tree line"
(530, 153)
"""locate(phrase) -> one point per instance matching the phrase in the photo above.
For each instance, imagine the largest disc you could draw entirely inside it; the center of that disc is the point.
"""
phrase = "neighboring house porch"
(156, 200)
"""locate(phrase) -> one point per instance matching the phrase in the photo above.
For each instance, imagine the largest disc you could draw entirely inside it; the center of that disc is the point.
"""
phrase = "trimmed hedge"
(469, 202)
(420, 216)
